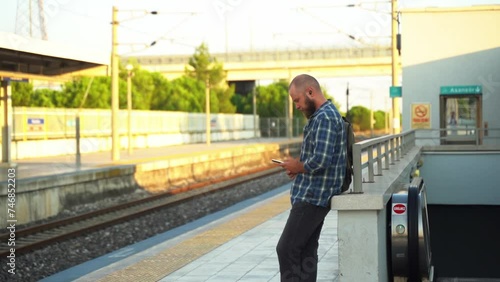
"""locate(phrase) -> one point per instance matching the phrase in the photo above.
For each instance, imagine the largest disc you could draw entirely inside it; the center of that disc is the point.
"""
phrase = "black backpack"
(349, 142)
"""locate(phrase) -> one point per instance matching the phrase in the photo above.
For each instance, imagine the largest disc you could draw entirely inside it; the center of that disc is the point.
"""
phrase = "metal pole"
(371, 114)
(395, 81)
(129, 109)
(290, 110)
(347, 102)
(289, 117)
(207, 108)
(254, 102)
(77, 128)
(386, 117)
(7, 121)
(226, 37)
(115, 141)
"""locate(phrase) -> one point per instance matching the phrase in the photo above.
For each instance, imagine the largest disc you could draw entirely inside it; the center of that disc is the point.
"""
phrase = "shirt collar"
(319, 109)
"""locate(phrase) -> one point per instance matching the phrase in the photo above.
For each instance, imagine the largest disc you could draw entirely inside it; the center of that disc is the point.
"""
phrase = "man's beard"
(310, 108)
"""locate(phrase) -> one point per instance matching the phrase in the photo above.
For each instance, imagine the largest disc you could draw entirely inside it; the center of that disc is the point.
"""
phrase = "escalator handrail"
(413, 251)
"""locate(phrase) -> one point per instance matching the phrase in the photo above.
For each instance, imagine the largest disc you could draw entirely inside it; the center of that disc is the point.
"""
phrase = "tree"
(44, 98)
(243, 103)
(327, 96)
(73, 92)
(160, 96)
(22, 94)
(144, 84)
(186, 94)
(379, 117)
(360, 118)
(225, 97)
(272, 99)
(206, 69)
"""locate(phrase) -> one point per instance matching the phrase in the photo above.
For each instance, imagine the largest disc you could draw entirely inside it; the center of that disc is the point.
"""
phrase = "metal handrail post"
(371, 177)
(379, 159)
(392, 151)
(386, 154)
(398, 147)
(357, 173)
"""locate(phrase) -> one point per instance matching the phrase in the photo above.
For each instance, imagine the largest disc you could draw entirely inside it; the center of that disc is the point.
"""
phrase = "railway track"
(38, 236)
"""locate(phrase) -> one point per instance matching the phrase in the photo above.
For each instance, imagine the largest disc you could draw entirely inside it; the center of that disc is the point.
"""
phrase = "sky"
(225, 26)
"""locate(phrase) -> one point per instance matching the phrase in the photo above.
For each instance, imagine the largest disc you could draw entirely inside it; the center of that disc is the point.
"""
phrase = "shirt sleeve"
(326, 133)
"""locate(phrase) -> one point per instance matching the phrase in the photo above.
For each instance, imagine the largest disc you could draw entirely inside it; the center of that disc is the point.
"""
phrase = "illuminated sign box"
(461, 89)
(395, 91)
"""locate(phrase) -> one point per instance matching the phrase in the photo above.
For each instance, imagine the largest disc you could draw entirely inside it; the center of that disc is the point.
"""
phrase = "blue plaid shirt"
(323, 153)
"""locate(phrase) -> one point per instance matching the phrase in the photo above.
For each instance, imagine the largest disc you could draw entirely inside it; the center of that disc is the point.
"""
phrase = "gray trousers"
(298, 245)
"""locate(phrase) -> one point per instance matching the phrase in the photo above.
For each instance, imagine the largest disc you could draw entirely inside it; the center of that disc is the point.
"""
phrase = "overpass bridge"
(284, 64)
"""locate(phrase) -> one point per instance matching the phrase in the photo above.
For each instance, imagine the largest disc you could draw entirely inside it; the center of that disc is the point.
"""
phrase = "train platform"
(235, 244)
(56, 165)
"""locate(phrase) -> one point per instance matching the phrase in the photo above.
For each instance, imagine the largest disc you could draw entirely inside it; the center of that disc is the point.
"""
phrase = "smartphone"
(277, 161)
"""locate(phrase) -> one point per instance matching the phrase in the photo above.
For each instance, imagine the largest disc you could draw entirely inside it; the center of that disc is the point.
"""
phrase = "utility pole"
(372, 120)
(395, 76)
(41, 17)
(26, 20)
(129, 68)
(387, 130)
(254, 103)
(347, 102)
(207, 108)
(290, 110)
(115, 137)
(115, 103)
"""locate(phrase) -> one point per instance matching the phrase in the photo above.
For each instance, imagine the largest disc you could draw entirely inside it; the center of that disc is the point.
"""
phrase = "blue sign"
(16, 79)
(461, 89)
(36, 121)
(395, 91)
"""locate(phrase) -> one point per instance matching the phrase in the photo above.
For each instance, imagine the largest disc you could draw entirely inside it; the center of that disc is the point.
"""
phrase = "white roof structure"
(21, 56)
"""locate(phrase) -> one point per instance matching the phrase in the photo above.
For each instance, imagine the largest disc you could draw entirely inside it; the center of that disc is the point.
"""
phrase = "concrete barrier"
(362, 223)
(42, 197)
(201, 166)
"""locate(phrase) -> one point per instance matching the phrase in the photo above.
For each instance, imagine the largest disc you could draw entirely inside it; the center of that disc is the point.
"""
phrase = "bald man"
(317, 176)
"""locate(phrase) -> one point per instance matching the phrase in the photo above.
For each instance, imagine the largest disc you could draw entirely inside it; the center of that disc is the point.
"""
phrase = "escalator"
(409, 248)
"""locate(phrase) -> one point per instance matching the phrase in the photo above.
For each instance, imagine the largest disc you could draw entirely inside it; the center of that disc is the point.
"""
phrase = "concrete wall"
(461, 178)
(56, 136)
(42, 197)
(57, 147)
(362, 258)
(362, 222)
(444, 47)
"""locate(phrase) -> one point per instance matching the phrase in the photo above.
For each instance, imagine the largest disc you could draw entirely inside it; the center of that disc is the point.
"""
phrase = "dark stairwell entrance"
(465, 241)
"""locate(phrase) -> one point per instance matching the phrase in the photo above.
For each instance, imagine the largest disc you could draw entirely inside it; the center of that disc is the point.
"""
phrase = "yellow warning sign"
(420, 116)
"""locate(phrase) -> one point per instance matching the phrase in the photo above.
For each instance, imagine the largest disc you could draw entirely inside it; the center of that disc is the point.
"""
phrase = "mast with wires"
(30, 19)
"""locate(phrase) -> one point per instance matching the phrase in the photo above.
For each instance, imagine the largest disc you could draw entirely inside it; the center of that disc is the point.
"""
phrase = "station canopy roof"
(22, 57)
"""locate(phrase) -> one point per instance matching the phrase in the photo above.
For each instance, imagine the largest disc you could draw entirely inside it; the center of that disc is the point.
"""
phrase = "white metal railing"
(387, 149)
(458, 136)
(275, 55)
(378, 153)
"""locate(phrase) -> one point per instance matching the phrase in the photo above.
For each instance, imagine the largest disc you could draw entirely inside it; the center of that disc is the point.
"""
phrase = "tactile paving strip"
(156, 267)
